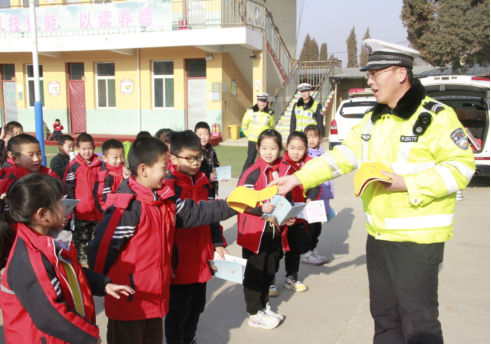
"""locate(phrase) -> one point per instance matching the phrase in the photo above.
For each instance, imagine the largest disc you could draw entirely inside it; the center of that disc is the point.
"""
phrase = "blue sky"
(331, 21)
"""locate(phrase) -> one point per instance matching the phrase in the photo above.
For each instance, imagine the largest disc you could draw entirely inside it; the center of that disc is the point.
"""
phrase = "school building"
(119, 67)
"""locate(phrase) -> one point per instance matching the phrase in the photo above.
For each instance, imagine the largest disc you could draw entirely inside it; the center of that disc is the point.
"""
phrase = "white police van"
(350, 113)
(469, 97)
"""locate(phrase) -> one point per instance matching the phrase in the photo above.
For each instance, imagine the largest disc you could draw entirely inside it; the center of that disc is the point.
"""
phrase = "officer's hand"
(398, 184)
(285, 184)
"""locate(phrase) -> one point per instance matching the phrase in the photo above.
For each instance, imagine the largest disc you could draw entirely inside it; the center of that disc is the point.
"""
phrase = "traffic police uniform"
(423, 141)
(304, 114)
(254, 122)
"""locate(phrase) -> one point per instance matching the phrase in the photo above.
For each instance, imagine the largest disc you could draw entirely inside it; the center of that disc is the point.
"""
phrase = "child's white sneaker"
(324, 259)
(268, 311)
(292, 283)
(310, 259)
(273, 291)
(263, 320)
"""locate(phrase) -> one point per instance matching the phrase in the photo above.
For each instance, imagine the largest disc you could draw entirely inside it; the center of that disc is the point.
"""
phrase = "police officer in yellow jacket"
(306, 111)
(409, 219)
(255, 120)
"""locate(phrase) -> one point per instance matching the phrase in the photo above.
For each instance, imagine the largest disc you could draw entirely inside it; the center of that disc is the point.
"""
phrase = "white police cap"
(384, 54)
(262, 97)
(304, 87)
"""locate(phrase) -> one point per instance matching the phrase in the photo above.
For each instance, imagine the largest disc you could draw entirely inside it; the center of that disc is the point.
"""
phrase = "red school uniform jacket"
(289, 167)
(12, 174)
(193, 247)
(133, 243)
(108, 180)
(8, 163)
(80, 179)
(250, 225)
(38, 288)
(57, 127)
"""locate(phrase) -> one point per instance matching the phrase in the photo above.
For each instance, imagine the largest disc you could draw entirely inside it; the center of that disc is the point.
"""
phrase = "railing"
(305, 72)
(277, 47)
(191, 14)
(285, 93)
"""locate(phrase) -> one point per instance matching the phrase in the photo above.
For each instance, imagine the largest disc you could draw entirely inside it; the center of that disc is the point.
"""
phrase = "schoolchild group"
(141, 236)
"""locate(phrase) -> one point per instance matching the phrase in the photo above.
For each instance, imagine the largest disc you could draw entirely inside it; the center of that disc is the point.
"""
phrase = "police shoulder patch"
(433, 106)
(459, 138)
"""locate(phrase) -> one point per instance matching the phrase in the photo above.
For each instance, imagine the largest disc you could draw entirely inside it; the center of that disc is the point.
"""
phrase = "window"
(163, 84)
(8, 72)
(106, 85)
(26, 3)
(197, 68)
(30, 84)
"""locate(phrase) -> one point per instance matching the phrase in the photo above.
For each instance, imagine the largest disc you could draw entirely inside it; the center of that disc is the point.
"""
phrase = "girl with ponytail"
(46, 295)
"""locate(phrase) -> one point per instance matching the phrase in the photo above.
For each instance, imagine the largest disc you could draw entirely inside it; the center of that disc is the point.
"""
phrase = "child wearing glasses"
(193, 247)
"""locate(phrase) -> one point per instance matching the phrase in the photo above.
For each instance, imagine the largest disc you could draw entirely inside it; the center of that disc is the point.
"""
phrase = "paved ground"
(336, 307)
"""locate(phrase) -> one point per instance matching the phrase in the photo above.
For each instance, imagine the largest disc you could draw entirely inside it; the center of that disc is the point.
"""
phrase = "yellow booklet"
(241, 197)
(368, 173)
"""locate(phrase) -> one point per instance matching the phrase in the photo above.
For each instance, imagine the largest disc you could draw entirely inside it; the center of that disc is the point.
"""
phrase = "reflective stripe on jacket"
(305, 117)
(434, 167)
(255, 121)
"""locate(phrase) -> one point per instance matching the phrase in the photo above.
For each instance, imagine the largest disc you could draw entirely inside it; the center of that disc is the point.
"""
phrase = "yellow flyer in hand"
(368, 173)
(241, 197)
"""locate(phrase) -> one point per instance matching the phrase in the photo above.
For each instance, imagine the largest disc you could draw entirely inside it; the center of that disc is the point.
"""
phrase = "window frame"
(106, 78)
(163, 77)
(28, 93)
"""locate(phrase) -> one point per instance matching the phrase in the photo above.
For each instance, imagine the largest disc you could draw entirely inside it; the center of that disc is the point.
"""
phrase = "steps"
(283, 124)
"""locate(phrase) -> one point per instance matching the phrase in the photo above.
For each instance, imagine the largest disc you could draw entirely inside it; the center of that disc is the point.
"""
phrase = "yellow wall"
(234, 107)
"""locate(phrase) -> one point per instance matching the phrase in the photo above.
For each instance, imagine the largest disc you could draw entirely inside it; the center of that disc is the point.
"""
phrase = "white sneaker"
(460, 196)
(324, 259)
(292, 283)
(273, 291)
(263, 320)
(310, 259)
(268, 311)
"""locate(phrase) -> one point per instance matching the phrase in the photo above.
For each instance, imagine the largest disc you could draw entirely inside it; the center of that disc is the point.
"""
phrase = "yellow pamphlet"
(241, 197)
(368, 173)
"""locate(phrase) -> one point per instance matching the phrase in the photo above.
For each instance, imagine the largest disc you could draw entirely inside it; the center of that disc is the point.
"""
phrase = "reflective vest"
(305, 117)
(434, 165)
(255, 121)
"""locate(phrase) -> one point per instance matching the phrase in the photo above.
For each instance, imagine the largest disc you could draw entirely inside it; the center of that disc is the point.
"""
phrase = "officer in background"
(409, 219)
(306, 111)
(256, 119)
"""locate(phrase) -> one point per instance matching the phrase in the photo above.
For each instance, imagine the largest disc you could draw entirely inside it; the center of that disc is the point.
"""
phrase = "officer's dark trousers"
(260, 270)
(403, 281)
(251, 156)
(186, 303)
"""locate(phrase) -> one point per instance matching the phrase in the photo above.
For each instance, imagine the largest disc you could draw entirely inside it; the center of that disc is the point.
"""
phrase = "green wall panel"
(26, 118)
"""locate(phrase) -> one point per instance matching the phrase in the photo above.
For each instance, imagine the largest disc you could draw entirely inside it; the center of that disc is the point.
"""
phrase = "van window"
(356, 109)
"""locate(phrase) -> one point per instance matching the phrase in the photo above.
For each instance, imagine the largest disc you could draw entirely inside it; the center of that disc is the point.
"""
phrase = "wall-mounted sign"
(233, 87)
(54, 88)
(126, 86)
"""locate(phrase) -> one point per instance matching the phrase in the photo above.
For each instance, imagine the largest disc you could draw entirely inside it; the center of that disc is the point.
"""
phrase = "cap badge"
(369, 49)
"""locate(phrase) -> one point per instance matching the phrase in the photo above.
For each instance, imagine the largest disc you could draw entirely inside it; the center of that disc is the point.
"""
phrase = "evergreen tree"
(352, 49)
(306, 54)
(364, 53)
(454, 32)
(314, 50)
(323, 53)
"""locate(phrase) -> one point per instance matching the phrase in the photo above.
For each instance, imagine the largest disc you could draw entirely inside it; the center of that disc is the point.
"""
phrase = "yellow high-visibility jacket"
(255, 121)
(434, 165)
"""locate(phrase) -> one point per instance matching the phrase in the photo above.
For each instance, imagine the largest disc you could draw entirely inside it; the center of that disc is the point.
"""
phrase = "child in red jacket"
(46, 295)
(134, 241)
(293, 160)
(80, 177)
(164, 135)
(260, 239)
(26, 157)
(193, 247)
(113, 171)
(57, 128)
